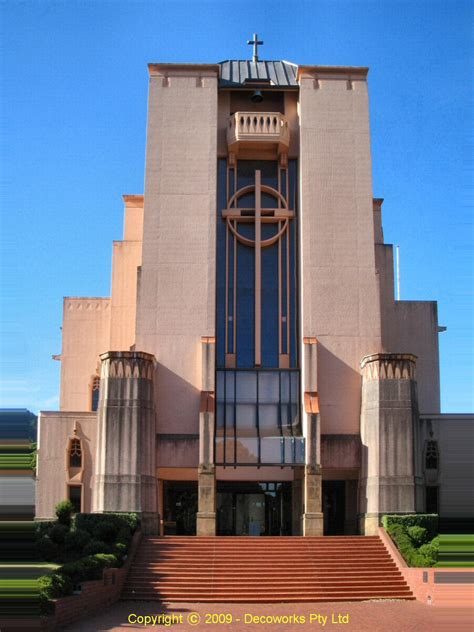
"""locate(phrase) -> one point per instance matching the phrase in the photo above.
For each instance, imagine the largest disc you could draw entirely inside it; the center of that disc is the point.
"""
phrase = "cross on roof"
(255, 42)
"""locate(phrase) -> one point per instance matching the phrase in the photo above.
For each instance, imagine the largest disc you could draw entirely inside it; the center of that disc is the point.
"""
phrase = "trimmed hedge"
(427, 521)
(96, 546)
(93, 523)
(89, 567)
(88, 544)
(412, 535)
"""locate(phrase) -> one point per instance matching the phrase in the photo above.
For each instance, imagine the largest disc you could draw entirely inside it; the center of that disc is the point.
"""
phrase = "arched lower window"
(95, 391)
(431, 455)
(75, 453)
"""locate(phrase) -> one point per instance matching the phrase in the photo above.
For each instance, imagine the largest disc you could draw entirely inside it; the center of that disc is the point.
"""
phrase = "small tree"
(64, 511)
(34, 456)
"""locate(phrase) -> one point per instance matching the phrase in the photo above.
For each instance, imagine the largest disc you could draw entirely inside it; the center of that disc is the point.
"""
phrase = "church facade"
(251, 372)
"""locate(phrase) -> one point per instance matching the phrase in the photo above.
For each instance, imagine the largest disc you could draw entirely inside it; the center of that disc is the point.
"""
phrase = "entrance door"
(180, 504)
(248, 508)
(334, 499)
(249, 514)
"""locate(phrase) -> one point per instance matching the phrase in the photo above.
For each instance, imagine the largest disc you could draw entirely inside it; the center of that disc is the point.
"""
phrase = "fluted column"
(388, 415)
(125, 477)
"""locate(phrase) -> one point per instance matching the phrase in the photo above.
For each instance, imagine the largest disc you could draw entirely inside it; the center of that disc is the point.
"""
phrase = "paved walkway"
(376, 616)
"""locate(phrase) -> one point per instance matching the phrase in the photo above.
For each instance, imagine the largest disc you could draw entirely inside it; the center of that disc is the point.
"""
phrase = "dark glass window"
(180, 505)
(95, 392)
(75, 453)
(75, 496)
(431, 456)
(243, 260)
(432, 500)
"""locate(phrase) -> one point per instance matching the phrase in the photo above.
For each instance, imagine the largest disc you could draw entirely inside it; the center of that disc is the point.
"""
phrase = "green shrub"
(422, 557)
(55, 585)
(76, 571)
(120, 550)
(43, 527)
(418, 535)
(95, 546)
(97, 563)
(107, 560)
(58, 533)
(124, 536)
(64, 511)
(47, 549)
(89, 522)
(46, 607)
(75, 542)
(106, 530)
(427, 521)
(429, 552)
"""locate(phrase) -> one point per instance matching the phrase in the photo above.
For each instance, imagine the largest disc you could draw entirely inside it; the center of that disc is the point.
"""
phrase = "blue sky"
(74, 85)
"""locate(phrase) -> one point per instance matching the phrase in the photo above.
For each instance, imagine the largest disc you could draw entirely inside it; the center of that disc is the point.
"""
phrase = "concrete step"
(266, 597)
(257, 575)
(240, 569)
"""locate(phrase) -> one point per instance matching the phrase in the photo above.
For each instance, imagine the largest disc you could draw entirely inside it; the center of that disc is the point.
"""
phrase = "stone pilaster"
(388, 418)
(313, 523)
(206, 516)
(125, 477)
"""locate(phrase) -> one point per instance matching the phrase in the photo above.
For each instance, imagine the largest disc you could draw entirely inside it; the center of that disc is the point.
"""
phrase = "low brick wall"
(435, 586)
(95, 595)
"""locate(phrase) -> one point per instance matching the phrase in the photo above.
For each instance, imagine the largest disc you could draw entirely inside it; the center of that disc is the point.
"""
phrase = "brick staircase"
(253, 569)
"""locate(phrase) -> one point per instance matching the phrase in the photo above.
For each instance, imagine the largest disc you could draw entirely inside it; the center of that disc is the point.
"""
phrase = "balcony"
(252, 130)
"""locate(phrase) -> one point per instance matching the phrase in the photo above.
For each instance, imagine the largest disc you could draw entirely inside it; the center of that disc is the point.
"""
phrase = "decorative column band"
(127, 364)
(389, 366)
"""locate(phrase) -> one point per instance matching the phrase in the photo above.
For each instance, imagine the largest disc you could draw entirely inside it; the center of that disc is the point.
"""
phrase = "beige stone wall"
(413, 328)
(86, 334)
(54, 431)
(410, 327)
(339, 290)
(127, 257)
(176, 295)
(454, 477)
(92, 326)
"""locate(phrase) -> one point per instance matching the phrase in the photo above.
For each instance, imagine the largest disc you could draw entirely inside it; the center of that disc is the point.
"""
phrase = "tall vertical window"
(432, 500)
(75, 453)
(257, 378)
(75, 496)
(256, 271)
(95, 392)
(431, 455)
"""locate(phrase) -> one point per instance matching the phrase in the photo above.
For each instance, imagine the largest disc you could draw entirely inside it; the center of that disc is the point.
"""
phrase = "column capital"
(389, 366)
(132, 364)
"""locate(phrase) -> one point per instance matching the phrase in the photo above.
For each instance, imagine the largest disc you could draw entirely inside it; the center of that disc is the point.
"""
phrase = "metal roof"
(237, 73)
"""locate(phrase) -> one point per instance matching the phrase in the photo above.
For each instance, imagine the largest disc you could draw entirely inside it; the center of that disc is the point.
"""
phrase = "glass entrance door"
(180, 506)
(254, 509)
(334, 501)
(249, 514)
